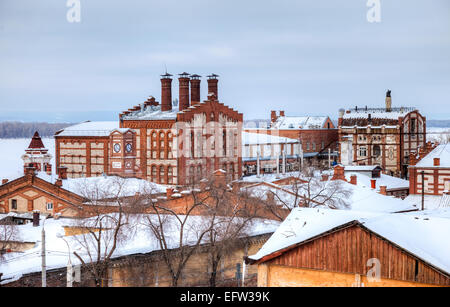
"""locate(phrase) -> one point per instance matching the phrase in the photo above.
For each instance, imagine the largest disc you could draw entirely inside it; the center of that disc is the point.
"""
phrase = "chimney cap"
(388, 93)
(212, 76)
(195, 76)
(166, 76)
(184, 75)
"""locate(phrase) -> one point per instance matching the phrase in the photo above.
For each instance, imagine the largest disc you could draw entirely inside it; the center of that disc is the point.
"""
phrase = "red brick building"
(168, 142)
(317, 134)
(381, 136)
(436, 172)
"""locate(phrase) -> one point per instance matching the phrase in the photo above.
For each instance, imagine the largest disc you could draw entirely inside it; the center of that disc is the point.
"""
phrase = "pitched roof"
(36, 142)
(419, 235)
(88, 128)
(300, 122)
(442, 152)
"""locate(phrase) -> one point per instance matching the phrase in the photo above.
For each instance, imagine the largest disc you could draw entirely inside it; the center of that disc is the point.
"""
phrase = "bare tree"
(305, 189)
(9, 235)
(231, 214)
(103, 226)
(178, 232)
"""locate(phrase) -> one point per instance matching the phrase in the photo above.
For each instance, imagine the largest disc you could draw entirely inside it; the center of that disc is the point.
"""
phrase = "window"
(154, 173)
(224, 142)
(161, 174)
(49, 206)
(14, 204)
(376, 150)
(363, 151)
(170, 175)
(192, 145)
(413, 125)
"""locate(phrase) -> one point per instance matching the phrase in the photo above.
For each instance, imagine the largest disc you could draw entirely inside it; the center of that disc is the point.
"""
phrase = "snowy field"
(438, 134)
(11, 151)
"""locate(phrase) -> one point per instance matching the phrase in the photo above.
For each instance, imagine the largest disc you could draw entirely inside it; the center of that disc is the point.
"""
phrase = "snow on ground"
(438, 134)
(17, 264)
(421, 236)
(11, 151)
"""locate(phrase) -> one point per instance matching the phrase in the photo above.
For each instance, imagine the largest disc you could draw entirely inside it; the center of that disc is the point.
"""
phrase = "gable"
(348, 249)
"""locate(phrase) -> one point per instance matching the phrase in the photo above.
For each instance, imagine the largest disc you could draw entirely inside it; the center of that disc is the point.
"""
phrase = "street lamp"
(69, 264)
(43, 265)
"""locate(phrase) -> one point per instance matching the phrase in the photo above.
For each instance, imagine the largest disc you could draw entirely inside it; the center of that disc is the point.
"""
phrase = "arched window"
(161, 174)
(154, 173)
(199, 172)
(192, 145)
(376, 150)
(161, 145)
(170, 175)
(154, 145)
(224, 142)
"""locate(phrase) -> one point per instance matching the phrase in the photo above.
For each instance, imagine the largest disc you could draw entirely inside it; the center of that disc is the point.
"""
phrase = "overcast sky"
(305, 57)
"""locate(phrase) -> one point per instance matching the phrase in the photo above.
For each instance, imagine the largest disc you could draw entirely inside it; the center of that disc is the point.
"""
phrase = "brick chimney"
(338, 173)
(30, 170)
(4, 181)
(62, 172)
(212, 85)
(36, 216)
(166, 92)
(220, 178)
(437, 162)
(195, 89)
(282, 113)
(388, 101)
(373, 183)
(273, 116)
(383, 190)
(353, 179)
(169, 192)
(183, 82)
(58, 182)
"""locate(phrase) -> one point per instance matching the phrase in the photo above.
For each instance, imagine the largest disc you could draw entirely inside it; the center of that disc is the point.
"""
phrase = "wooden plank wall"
(349, 249)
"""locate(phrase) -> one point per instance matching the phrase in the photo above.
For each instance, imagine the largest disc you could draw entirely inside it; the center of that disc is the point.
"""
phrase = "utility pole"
(423, 190)
(278, 165)
(257, 163)
(329, 157)
(44, 273)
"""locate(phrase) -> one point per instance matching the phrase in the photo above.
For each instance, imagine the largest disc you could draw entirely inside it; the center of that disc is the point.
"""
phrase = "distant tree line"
(16, 129)
(438, 123)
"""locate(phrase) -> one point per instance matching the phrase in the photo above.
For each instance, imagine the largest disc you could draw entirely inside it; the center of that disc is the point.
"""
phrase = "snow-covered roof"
(431, 202)
(442, 152)
(384, 180)
(149, 112)
(420, 236)
(249, 138)
(140, 241)
(101, 128)
(380, 113)
(111, 185)
(362, 197)
(360, 168)
(300, 122)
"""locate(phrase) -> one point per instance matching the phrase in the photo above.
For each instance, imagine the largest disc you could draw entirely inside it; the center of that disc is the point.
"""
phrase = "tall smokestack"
(195, 89)
(183, 81)
(166, 92)
(212, 85)
(388, 101)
